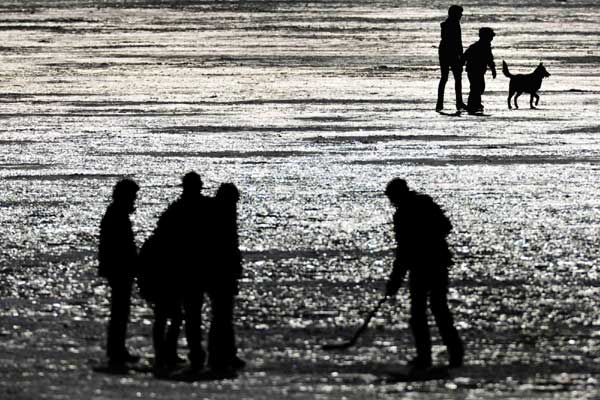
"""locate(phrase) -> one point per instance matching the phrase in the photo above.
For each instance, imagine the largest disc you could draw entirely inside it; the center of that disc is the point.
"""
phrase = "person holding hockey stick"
(420, 228)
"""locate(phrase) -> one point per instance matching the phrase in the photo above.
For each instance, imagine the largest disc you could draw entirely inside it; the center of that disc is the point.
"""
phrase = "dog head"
(541, 70)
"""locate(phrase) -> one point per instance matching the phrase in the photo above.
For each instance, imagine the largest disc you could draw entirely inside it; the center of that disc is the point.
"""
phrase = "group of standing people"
(193, 252)
(477, 58)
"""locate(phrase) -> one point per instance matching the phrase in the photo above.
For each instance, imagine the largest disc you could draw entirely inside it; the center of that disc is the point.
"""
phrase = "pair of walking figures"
(477, 58)
(192, 252)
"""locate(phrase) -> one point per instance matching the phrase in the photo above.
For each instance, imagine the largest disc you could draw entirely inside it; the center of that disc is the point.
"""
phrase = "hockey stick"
(359, 331)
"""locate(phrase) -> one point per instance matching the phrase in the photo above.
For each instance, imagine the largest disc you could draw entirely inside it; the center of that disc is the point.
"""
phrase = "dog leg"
(537, 98)
(531, 101)
(510, 94)
(516, 97)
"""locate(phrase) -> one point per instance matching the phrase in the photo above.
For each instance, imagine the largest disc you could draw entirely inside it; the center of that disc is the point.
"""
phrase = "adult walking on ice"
(478, 58)
(117, 256)
(420, 228)
(450, 53)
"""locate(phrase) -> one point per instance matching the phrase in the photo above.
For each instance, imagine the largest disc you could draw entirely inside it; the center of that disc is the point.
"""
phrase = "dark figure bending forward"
(117, 256)
(421, 227)
(450, 52)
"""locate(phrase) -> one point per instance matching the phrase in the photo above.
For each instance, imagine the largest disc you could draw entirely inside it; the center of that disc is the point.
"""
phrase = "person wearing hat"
(450, 53)
(117, 263)
(180, 235)
(478, 58)
(420, 228)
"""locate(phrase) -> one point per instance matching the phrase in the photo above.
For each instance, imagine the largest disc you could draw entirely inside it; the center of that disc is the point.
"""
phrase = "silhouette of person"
(420, 228)
(117, 256)
(183, 226)
(450, 53)
(478, 58)
(223, 281)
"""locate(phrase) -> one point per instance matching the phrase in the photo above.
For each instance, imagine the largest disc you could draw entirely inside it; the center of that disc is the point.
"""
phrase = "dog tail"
(505, 70)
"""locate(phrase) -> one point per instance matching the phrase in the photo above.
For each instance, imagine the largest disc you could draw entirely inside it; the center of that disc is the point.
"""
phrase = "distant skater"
(450, 54)
(117, 256)
(420, 228)
(223, 276)
(478, 58)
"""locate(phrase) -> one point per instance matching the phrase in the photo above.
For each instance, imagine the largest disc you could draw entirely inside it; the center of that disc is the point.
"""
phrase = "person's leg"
(482, 89)
(472, 103)
(221, 347)
(172, 334)
(120, 303)
(445, 321)
(237, 362)
(158, 335)
(215, 332)
(418, 320)
(444, 69)
(477, 84)
(457, 73)
(192, 313)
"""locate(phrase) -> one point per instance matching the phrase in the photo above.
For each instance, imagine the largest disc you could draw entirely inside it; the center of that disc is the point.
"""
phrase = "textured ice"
(310, 108)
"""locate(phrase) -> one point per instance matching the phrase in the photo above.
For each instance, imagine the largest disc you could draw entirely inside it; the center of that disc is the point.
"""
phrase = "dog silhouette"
(525, 83)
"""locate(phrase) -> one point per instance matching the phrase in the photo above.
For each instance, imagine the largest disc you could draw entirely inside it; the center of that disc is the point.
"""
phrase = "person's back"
(177, 225)
(181, 230)
(451, 42)
(226, 243)
(478, 56)
(160, 258)
(117, 251)
(421, 228)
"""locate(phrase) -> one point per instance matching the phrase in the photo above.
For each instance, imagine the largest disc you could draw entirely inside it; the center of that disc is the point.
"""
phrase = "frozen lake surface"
(310, 108)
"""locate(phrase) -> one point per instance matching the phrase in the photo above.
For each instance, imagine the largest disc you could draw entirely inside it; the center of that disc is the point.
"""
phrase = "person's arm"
(492, 65)
(455, 39)
(460, 44)
(396, 278)
(106, 246)
(466, 56)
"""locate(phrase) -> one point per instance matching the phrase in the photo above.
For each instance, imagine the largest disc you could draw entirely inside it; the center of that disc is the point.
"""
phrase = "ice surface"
(310, 108)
